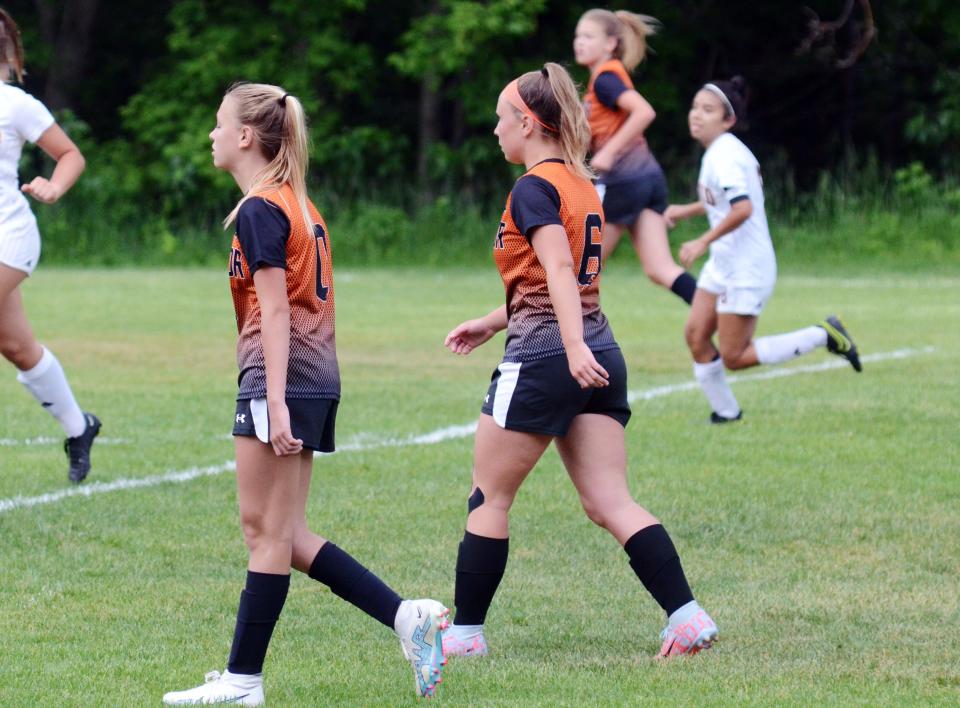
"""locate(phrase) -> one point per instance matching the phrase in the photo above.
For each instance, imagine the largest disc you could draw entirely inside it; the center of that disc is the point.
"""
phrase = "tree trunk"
(66, 26)
(427, 133)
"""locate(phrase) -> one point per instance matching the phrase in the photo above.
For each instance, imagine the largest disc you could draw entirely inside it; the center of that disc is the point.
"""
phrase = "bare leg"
(735, 333)
(649, 236)
(594, 453)
(701, 325)
(502, 460)
(17, 343)
(268, 488)
(611, 237)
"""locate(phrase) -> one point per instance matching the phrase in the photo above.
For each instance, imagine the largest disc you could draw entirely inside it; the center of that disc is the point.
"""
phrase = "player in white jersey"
(738, 278)
(23, 118)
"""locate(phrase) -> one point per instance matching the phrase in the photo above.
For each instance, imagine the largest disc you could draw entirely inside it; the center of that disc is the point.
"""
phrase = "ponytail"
(11, 48)
(279, 127)
(631, 31)
(552, 95)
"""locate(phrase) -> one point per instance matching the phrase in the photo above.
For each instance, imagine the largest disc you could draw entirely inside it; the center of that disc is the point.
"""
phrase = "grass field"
(821, 533)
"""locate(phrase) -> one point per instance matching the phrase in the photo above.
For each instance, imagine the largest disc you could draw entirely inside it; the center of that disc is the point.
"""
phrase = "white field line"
(878, 283)
(778, 373)
(366, 442)
(88, 490)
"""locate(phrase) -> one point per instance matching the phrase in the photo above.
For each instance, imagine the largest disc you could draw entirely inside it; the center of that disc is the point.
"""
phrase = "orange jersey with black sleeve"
(600, 105)
(549, 194)
(271, 232)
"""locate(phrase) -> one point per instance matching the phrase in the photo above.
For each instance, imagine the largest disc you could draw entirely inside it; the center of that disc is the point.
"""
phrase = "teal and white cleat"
(225, 688)
(460, 641)
(420, 625)
(687, 634)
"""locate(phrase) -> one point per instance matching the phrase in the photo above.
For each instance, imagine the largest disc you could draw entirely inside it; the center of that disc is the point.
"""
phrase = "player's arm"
(469, 335)
(271, 286)
(679, 212)
(640, 116)
(740, 211)
(70, 165)
(553, 251)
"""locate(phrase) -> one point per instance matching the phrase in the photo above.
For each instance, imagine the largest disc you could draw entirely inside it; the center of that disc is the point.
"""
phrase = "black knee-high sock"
(480, 565)
(684, 287)
(260, 604)
(655, 561)
(354, 583)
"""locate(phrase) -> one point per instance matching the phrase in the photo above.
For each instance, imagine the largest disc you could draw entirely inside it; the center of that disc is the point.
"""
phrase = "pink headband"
(512, 94)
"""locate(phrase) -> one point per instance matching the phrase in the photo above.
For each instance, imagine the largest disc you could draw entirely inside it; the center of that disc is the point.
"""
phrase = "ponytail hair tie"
(543, 70)
(283, 100)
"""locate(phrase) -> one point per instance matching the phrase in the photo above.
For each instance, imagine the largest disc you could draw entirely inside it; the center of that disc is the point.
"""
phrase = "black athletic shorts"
(541, 396)
(628, 194)
(311, 420)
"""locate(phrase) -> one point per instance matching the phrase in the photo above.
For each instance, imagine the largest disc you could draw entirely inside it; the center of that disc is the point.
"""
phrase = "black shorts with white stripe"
(311, 420)
(541, 396)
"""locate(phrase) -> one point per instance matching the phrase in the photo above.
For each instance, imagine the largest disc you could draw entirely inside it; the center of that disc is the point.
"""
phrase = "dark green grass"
(821, 532)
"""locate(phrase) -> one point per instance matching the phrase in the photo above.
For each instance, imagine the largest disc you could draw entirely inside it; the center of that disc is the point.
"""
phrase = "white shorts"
(735, 299)
(20, 246)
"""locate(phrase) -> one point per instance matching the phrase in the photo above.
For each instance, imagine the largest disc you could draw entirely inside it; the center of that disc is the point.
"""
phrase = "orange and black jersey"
(607, 82)
(271, 232)
(549, 194)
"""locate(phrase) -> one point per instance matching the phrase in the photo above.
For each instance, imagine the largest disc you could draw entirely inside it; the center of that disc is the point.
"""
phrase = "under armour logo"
(242, 418)
(486, 399)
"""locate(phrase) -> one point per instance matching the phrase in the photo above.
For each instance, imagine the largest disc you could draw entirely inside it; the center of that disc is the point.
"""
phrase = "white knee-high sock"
(784, 347)
(48, 384)
(713, 381)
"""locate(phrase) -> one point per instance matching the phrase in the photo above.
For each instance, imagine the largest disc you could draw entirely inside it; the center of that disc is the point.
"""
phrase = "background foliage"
(401, 99)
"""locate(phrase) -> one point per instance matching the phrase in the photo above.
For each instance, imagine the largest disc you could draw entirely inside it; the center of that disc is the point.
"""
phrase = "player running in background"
(563, 377)
(281, 278)
(632, 185)
(23, 118)
(738, 278)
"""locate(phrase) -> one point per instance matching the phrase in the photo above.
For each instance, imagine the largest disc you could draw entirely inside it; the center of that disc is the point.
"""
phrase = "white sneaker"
(238, 689)
(420, 625)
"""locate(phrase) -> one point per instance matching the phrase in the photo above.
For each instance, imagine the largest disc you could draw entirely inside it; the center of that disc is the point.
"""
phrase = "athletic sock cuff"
(704, 370)
(482, 555)
(684, 287)
(337, 569)
(269, 590)
(39, 369)
(651, 547)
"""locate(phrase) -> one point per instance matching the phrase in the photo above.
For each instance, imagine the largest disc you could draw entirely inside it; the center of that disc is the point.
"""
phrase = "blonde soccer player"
(737, 280)
(563, 378)
(281, 279)
(632, 184)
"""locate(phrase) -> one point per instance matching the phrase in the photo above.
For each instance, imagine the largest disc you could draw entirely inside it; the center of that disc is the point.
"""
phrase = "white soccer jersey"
(728, 173)
(22, 118)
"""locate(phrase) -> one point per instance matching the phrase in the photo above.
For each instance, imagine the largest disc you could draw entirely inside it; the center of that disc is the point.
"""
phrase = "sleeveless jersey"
(605, 121)
(312, 369)
(532, 329)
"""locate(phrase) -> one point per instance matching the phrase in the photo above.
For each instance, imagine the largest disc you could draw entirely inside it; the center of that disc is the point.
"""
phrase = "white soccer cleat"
(460, 643)
(693, 631)
(226, 688)
(420, 625)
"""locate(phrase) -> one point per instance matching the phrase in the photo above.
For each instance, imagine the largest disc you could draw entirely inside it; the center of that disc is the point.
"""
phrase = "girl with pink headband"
(563, 378)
